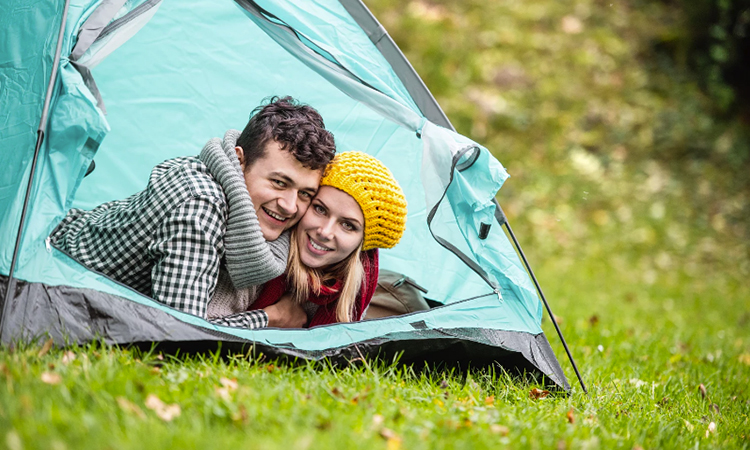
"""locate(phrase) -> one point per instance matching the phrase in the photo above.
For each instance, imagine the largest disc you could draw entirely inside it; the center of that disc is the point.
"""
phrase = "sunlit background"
(623, 124)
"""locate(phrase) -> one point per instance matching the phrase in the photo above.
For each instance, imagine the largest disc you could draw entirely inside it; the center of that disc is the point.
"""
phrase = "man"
(227, 208)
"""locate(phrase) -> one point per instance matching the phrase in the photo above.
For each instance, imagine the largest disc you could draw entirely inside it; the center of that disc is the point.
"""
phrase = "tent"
(130, 83)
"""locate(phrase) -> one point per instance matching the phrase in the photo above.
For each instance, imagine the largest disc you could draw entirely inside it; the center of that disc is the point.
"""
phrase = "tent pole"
(544, 300)
(11, 288)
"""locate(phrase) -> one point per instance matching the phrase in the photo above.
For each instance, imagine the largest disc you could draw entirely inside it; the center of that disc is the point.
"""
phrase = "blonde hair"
(305, 280)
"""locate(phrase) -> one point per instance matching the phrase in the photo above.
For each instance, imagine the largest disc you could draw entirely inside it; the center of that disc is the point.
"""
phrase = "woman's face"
(331, 229)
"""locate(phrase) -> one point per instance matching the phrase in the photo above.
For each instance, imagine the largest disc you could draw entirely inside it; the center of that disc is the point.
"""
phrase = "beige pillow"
(396, 294)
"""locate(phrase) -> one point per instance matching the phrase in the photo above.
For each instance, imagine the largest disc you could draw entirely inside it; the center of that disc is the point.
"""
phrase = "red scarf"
(327, 299)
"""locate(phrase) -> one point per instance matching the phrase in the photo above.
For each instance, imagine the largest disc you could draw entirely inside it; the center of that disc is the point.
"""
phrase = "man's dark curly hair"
(298, 128)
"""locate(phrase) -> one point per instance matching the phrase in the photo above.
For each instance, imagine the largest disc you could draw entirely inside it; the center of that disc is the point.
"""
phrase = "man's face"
(280, 187)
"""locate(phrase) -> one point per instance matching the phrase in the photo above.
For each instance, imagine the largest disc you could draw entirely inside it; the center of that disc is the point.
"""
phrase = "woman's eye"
(348, 226)
(319, 209)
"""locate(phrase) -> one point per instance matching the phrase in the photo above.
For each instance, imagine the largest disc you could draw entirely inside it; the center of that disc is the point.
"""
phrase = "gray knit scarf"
(250, 259)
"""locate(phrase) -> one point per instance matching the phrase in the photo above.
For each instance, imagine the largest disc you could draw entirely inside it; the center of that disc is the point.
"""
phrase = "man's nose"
(288, 202)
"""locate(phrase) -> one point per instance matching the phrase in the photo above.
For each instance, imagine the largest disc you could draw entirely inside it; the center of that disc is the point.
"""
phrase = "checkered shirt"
(166, 241)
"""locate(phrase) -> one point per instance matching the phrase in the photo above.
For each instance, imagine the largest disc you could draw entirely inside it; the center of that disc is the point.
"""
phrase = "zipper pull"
(47, 243)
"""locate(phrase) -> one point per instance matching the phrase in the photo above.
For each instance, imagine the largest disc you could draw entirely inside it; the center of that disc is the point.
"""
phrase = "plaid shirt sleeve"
(248, 319)
(186, 250)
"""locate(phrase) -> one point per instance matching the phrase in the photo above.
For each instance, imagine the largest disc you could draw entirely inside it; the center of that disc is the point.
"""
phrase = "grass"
(626, 196)
(644, 352)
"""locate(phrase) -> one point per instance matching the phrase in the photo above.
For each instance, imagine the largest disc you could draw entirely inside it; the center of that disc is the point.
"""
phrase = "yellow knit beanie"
(372, 185)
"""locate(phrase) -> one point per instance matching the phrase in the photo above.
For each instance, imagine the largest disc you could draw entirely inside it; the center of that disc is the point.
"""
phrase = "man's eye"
(304, 194)
(279, 183)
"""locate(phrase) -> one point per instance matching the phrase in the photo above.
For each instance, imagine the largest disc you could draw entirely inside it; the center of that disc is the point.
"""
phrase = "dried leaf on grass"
(711, 429)
(51, 378)
(227, 387)
(536, 394)
(355, 399)
(130, 407)
(499, 429)
(229, 384)
(68, 357)
(703, 391)
(393, 441)
(164, 411)
(324, 425)
(571, 418)
(45, 348)
(489, 401)
(387, 433)
(223, 393)
(241, 416)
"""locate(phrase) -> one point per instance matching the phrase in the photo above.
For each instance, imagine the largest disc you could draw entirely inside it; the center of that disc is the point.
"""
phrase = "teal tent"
(130, 83)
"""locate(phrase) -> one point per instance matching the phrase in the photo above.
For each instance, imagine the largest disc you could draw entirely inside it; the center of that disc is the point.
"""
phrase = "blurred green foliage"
(716, 44)
(618, 153)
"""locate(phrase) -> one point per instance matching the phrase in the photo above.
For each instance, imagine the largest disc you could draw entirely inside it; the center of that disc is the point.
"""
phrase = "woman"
(333, 258)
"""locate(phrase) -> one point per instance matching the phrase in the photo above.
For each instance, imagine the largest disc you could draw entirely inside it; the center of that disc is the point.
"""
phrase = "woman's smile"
(318, 248)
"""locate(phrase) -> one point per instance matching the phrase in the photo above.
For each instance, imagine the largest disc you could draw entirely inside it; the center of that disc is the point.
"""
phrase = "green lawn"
(624, 194)
(644, 351)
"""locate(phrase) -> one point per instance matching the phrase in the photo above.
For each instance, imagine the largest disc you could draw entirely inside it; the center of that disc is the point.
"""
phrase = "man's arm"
(282, 314)
(247, 319)
(186, 256)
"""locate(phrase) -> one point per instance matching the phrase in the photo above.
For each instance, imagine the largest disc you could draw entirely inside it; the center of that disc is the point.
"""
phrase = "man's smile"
(274, 215)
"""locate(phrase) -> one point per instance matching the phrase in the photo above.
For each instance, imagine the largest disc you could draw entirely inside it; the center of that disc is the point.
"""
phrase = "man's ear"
(240, 157)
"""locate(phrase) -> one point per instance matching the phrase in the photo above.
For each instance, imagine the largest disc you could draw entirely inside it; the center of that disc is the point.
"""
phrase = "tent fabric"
(404, 70)
(173, 75)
